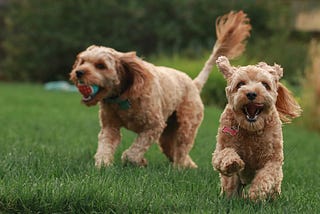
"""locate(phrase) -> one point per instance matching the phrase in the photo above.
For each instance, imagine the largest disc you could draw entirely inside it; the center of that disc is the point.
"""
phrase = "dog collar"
(123, 104)
(233, 131)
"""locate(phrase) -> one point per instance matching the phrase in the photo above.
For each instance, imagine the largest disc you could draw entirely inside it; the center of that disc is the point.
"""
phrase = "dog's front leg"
(231, 185)
(227, 161)
(135, 154)
(267, 182)
(229, 164)
(109, 139)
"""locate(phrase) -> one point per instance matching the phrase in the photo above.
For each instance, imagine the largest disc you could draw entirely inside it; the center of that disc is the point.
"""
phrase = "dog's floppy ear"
(224, 67)
(136, 71)
(286, 104)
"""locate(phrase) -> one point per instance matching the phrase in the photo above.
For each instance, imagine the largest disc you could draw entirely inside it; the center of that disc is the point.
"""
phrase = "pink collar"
(233, 131)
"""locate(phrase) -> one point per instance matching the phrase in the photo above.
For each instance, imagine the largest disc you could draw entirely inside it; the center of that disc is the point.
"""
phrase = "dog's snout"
(79, 73)
(251, 95)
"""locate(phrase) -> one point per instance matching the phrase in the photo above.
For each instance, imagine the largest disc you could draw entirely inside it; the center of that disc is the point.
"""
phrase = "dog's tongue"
(87, 90)
(253, 108)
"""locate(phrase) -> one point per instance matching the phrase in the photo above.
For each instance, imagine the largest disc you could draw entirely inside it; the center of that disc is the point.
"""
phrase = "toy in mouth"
(252, 110)
(87, 91)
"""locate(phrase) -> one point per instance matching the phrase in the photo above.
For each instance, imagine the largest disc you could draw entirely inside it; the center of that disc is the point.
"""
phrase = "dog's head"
(254, 92)
(115, 73)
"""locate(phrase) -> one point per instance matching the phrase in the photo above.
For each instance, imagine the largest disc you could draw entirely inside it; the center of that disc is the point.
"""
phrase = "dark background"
(40, 38)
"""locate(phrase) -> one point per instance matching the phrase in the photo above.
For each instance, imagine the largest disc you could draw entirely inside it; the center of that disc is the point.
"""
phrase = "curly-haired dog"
(249, 141)
(158, 103)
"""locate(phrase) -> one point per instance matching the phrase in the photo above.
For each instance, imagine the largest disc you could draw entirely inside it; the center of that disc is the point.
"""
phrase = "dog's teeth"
(258, 111)
(252, 119)
(246, 110)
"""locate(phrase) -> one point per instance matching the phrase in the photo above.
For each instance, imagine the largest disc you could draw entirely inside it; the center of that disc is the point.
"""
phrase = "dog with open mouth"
(158, 103)
(249, 147)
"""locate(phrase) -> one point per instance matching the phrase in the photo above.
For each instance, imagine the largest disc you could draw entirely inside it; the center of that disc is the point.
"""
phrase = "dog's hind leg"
(135, 154)
(189, 118)
(168, 137)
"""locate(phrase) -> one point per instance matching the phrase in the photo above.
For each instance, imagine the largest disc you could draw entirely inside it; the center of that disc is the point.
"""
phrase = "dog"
(249, 147)
(160, 104)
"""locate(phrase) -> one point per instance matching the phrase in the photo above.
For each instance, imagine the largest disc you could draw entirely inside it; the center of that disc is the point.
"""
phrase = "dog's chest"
(255, 150)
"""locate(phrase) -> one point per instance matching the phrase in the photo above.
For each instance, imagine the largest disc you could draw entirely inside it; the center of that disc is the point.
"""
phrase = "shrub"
(43, 37)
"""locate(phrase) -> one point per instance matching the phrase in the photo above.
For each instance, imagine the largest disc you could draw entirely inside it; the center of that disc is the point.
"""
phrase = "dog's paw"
(127, 160)
(257, 195)
(263, 192)
(186, 163)
(102, 160)
(230, 167)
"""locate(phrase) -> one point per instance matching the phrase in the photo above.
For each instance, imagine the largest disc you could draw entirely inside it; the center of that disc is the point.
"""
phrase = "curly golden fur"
(249, 146)
(161, 104)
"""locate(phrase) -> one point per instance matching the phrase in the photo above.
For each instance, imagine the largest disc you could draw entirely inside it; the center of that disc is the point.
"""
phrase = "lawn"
(47, 145)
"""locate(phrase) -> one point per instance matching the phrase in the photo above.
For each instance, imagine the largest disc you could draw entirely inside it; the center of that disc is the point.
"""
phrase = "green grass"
(46, 165)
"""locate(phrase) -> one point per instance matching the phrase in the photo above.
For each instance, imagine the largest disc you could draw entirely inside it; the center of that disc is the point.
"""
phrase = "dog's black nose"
(252, 95)
(79, 73)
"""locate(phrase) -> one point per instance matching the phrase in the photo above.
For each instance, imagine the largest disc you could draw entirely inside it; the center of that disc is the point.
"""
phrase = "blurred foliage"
(274, 39)
(311, 88)
(41, 38)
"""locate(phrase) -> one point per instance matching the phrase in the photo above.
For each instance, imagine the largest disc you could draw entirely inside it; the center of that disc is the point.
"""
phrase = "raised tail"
(232, 30)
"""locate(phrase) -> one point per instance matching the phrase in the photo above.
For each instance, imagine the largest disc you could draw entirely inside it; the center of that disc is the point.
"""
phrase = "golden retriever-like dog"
(160, 104)
(249, 142)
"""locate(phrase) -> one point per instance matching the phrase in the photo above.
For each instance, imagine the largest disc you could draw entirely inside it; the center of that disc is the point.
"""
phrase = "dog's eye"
(266, 85)
(100, 66)
(240, 84)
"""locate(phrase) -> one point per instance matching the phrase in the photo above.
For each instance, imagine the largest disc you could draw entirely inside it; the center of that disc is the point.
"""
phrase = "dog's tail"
(232, 30)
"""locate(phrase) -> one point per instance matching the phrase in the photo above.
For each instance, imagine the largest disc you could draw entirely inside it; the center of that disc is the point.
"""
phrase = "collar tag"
(233, 131)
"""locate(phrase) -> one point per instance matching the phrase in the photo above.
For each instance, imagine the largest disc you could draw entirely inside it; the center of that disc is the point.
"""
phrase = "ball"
(88, 90)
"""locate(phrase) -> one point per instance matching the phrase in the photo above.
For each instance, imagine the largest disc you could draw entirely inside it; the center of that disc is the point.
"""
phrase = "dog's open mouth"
(252, 110)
